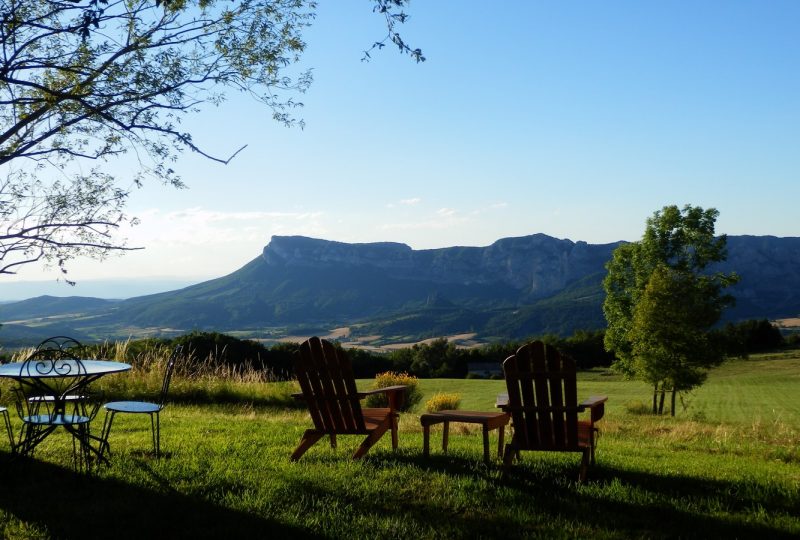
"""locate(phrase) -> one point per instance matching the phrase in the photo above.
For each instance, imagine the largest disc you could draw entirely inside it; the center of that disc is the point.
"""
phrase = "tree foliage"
(751, 336)
(84, 82)
(662, 301)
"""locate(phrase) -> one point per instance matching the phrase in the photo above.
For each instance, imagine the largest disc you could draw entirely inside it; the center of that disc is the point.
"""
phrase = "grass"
(728, 466)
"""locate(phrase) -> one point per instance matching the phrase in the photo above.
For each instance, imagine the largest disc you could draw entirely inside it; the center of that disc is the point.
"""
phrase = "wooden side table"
(488, 420)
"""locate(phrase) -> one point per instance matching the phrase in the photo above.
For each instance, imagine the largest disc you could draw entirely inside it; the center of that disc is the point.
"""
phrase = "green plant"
(411, 397)
(442, 401)
(637, 407)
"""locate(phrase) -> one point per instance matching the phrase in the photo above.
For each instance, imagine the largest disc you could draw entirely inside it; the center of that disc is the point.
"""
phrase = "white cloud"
(411, 202)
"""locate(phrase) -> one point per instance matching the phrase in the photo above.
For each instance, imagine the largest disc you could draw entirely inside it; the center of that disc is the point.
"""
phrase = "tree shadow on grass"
(549, 493)
(67, 504)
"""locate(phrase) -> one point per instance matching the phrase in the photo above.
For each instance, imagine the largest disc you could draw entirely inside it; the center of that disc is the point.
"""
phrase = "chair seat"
(70, 397)
(143, 407)
(375, 417)
(56, 420)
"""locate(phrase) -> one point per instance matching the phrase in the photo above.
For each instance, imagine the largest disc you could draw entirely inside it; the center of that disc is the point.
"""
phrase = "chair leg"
(394, 432)
(85, 455)
(155, 428)
(500, 436)
(510, 453)
(307, 441)
(585, 459)
(107, 421)
(371, 439)
(10, 433)
(486, 455)
(26, 437)
(332, 438)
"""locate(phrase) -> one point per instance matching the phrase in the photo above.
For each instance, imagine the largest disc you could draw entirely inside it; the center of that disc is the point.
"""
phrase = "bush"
(389, 378)
(441, 402)
(638, 407)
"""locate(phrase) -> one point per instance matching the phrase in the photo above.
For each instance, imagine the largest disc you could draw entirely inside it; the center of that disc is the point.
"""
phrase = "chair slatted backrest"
(542, 397)
(326, 378)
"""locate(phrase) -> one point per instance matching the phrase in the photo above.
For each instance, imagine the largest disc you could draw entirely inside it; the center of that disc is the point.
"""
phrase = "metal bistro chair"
(142, 407)
(7, 420)
(48, 380)
(58, 348)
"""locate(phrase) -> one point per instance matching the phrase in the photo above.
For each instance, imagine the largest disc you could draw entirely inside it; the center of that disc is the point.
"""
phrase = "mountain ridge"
(511, 289)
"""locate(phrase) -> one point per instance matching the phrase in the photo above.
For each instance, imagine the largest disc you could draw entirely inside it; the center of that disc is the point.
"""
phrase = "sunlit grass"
(727, 466)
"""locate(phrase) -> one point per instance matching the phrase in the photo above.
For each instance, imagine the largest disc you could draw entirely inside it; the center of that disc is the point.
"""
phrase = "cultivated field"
(727, 467)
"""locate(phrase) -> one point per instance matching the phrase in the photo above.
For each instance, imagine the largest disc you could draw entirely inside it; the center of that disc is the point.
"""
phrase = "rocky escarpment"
(536, 265)
(512, 289)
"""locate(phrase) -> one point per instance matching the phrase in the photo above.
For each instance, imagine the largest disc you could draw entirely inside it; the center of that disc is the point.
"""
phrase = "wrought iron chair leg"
(10, 433)
(104, 433)
(75, 458)
(26, 437)
(153, 431)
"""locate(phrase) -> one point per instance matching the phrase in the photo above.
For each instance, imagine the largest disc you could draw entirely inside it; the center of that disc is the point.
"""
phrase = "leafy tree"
(661, 301)
(83, 82)
(751, 336)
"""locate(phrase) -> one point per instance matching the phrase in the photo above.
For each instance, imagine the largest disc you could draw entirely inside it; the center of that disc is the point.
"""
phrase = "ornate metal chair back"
(57, 361)
(56, 357)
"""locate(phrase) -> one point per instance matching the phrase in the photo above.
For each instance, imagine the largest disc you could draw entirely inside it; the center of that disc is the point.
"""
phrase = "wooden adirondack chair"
(543, 403)
(329, 389)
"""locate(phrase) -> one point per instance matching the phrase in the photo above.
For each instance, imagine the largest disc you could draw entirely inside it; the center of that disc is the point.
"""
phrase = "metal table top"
(64, 368)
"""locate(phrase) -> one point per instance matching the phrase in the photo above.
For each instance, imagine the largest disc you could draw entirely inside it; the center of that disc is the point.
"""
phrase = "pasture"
(726, 466)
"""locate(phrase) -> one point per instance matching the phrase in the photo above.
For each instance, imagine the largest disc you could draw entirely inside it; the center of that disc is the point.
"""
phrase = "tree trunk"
(661, 400)
(655, 398)
(672, 409)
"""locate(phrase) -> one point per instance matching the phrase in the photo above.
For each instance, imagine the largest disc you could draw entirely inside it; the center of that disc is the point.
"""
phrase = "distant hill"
(514, 288)
(118, 288)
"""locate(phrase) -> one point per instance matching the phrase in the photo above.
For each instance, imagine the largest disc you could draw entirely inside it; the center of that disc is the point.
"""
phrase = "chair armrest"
(385, 389)
(596, 406)
(393, 393)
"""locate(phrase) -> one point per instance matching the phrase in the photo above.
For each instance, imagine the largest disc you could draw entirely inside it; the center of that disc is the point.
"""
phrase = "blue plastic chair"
(142, 407)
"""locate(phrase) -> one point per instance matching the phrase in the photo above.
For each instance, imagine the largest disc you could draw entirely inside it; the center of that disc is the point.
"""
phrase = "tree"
(661, 301)
(83, 82)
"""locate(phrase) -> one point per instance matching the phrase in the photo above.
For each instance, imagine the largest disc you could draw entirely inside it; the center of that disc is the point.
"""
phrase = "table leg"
(445, 434)
(426, 435)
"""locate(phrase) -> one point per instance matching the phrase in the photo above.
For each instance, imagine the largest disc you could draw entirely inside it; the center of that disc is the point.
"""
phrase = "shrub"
(637, 407)
(389, 378)
(441, 402)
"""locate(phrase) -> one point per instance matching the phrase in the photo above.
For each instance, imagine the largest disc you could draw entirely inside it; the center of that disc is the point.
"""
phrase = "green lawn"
(728, 466)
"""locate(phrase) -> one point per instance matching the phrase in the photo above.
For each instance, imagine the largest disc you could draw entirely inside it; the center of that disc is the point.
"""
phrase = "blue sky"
(576, 120)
